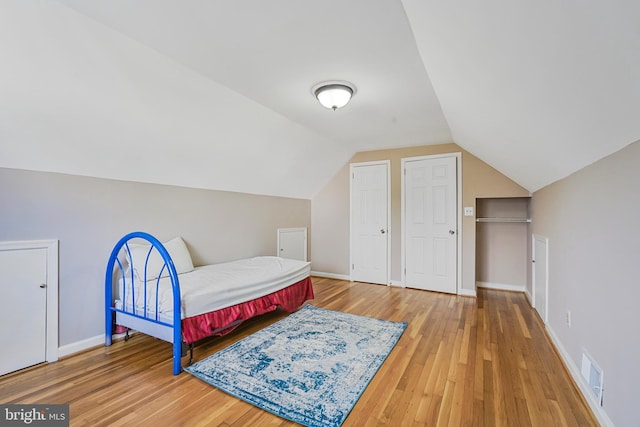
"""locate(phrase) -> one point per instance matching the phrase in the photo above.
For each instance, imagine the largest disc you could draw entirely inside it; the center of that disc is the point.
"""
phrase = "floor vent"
(593, 375)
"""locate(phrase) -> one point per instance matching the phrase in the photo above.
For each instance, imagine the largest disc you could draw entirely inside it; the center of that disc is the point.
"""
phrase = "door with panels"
(430, 223)
(370, 237)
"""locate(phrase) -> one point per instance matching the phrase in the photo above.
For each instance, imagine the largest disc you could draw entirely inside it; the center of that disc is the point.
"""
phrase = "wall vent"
(593, 375)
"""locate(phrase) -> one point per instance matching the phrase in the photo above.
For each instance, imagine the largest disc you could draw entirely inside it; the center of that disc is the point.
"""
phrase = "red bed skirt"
(225, 320)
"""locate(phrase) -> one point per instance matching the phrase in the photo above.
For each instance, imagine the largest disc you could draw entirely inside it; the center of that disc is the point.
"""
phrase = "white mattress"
(217, 286)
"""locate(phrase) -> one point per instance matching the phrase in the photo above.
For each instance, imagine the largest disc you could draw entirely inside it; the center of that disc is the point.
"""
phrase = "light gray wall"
(592, 221)
(89, 215)
(330, 225)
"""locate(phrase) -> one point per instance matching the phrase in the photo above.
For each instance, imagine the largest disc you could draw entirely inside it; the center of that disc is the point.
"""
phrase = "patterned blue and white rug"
(310, 367)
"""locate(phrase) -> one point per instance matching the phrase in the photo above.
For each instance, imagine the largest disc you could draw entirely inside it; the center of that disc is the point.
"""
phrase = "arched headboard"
(145, 263)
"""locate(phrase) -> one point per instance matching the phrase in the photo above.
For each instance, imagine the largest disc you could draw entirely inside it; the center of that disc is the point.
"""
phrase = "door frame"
(403, 161)
(51, 246)
(535, 256)
(386, 163)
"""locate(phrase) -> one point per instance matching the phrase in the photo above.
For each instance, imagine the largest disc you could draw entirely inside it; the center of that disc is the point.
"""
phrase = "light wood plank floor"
(462, 361)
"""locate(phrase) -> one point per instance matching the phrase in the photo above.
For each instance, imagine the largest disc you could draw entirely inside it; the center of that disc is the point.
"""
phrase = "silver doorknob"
(452, 232)
(43, 286)
(382, 230)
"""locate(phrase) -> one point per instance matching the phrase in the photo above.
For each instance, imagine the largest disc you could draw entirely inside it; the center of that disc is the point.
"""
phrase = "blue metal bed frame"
(138, 319)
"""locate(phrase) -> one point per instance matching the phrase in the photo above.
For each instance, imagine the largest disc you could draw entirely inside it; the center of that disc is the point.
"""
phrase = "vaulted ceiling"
(217, 94)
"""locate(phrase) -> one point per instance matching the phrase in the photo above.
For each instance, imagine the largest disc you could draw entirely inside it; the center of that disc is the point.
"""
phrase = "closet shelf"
(503, 220)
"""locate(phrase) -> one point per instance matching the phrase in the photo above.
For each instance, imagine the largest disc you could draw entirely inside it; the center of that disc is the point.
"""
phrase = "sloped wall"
(90, 101)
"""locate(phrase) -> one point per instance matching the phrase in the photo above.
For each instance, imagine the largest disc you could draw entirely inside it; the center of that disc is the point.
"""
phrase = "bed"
(153, 287)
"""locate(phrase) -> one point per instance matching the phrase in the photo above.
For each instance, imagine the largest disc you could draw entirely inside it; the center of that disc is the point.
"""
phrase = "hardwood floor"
(462, 361)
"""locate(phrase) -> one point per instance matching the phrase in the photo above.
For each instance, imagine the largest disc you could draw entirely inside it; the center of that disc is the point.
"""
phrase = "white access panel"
(292, 243)
(23, 290)
(540, 272)
(29, 291)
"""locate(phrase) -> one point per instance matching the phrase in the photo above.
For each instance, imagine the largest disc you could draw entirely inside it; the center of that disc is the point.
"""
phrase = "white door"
(292, 243)
(430, 223)
(540, 275)
(23, 316)
(370, 222)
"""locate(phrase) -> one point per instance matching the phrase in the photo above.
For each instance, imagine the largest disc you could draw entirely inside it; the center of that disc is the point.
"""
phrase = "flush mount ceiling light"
(333, 94)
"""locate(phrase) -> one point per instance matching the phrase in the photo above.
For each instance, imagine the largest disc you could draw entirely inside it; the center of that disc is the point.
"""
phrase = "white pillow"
(177, 250)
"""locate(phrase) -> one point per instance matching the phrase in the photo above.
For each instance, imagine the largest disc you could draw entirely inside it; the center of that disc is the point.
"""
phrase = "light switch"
(468, 211)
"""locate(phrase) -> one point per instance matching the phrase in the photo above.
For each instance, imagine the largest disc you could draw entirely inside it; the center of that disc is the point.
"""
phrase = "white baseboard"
(597, 410)
(463, 292)
(468, 293)
(77, 347)
(528, 296)
(331, 275)
(500, 286)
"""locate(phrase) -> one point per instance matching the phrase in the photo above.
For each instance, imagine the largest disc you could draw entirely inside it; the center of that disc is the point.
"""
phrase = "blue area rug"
(310, 367)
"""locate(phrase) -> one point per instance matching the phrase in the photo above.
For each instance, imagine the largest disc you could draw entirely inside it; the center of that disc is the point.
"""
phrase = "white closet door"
(23, 316)
(430, 218)
(370, 222)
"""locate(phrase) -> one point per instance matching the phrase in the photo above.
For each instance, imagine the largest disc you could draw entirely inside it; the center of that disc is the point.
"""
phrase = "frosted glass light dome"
(334, 95)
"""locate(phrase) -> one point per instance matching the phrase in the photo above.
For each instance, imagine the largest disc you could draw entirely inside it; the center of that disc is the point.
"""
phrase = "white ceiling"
(198, 92)
(537, 89)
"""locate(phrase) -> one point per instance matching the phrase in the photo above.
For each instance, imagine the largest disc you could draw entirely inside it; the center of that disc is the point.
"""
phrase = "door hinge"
(353, 266)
